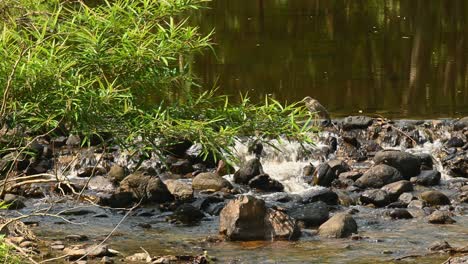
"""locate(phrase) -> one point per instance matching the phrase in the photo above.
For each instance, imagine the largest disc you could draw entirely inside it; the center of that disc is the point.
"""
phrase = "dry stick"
(112, 231)
(20, 250)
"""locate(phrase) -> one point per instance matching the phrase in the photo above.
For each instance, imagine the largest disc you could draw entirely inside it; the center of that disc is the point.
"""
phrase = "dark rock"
(400, 214)
(356, 122)
(312, 215)
(146, 188)
(458, 166)
(427, 178)
(210, 181)
(177, 149)
(339, 226)
(461, 123)
(379, 198)
(256, 147)
(89, 171)
(395, 189)
(15, 202)
(180, 190)
(441, 217)
(454, 142)
(76, 238)
(435, 198)
(77, 212)
(352, 175)
(247, 218)
(251, 169)
(378, 176)
(116, 173)
(187, 214)
(117, 200)
(327, 172)
(427, 162)
(224, 168)
(58, 142)
(308, 170)
(397, 204)
(181, 167)
(263, 182)
(408, 164)
(327, 196)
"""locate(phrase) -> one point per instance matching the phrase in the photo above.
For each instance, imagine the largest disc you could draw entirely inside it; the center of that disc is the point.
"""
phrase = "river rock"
(247, 218)
(251, 169)
(427, 178)
(92, 251)
(350, 175)
(435, 198)
(395, 189)
(117, 200)
(441, 217)
(325, 195)
(146, 188)
(461, 123)
(454, 142)
(400, 214)
(180, 190)
(378, 176)
(356, 122)
(210, 181)
(312, 215)
(426, 159)
(457, 260)
(339, 226)
(187, 214)
(181, 167)
(406, 198)
(458, 166)
(327, 172)
(116, 173)
(379, 198)
(15, 202)
(263, 182)
(408, 164)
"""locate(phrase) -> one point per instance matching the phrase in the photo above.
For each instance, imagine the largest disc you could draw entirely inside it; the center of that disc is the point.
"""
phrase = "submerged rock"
(247, 218)
(187, 214)
(435, 198)
(263, 182)
(339, 226)
(378, 176)
(408, 164)
(427, 178)
(400, 214)
(251, 169)
(210, 181)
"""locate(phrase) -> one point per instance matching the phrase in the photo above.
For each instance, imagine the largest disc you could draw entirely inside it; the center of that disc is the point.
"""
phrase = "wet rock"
(255, 147)
(408, 164)
(406, 198)
(379, 198)
(308, 170)
(339, 226)
(224, 168)
(181, 167)
(187, 214)
(427, 162)
(210, 181)
(89, 171)
(397, 204)
(395, 189)
(441, 217)
(180, 190)
(146, 188)
(356, 122)
(249, 170)
(247, 218)
(327, 172)
(76, 238)
(378, 176)
(417, 204)
(325, 195)
(263, 182)
(312, 215)
(116, 173)
(454, 142)
(461, 123)
(458, 166)
(93, 251)
(117, 200)
(351, 175)
(77, 212)
(15, 202)
(435, 198)
(399, 214)
(427, 178)
(440, 246)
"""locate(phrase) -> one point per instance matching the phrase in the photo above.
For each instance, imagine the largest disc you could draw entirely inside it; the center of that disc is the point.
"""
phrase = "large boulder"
(312, 215)
(427, 178)
(356, 122)
(146, 188)
(327, 172)
(339, 226)
(251, 169)
(378, 176)
(247, 218)
(264, 183)
(210, 181)
(408, 164)
(435, 198)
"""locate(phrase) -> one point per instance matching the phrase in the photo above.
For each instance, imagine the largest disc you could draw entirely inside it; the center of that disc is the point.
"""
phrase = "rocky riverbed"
(369, 191)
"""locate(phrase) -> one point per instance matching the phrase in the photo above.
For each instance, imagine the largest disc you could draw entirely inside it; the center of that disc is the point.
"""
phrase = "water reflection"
(395, 58)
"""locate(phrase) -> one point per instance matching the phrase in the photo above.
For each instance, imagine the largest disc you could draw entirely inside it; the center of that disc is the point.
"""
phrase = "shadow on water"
(395, 58)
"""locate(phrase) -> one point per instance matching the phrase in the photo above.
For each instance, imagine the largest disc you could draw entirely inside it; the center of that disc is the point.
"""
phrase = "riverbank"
(403, 201)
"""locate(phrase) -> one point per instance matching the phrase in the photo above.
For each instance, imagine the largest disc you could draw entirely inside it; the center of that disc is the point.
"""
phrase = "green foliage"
(122, 67)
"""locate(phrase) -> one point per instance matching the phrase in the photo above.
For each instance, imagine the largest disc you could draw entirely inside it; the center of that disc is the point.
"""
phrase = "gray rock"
(427, 162)
(395, 189)
(406, 198)
(435, 198)
(454, 142)
(378, 176)
(441, 217)
(339, 226)
(311, 215)
(461, 123)
(351, 175)
(417, 204)
(356, 122)
(146, 188)
(264, 183)
(408, 164)
(251, 169)
(400, 214)
(327, 172)
(379, 198)
(187, 214)
(327, 196)
(427, 178)
(210, 181)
